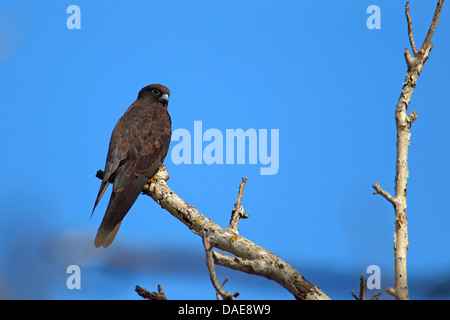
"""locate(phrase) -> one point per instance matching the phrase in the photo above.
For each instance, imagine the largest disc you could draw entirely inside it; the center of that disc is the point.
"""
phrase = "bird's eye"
(156, 91)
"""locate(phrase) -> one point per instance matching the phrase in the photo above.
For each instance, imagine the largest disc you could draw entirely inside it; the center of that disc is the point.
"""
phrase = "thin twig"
(212, 272)
(363, 290)
(427, 41)
(218, 296)
(385, 194)
(411, 38)
(238, 210)
(375, 296)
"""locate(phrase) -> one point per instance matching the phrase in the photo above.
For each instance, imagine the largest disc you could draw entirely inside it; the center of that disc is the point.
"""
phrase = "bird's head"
(155, 92)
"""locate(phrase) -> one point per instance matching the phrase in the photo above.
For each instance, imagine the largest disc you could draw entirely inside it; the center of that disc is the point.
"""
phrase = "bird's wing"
(116, 153)
(145, 141)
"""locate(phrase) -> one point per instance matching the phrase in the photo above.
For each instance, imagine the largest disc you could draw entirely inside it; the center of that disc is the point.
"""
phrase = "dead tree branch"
(212, 272)
(363, 289)
(404, 121)
(247, 256)
(160, 295)
(238, 210)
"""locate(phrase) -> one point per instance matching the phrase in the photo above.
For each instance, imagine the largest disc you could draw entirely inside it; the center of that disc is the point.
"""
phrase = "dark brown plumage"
(139, 143)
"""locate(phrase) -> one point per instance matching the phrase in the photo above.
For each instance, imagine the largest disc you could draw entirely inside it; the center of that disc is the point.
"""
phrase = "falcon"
(139, 143)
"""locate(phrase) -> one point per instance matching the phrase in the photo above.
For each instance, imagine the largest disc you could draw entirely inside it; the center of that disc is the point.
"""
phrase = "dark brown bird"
(139, 143)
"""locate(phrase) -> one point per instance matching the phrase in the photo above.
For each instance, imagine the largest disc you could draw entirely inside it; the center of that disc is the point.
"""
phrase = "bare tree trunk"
(404, 121)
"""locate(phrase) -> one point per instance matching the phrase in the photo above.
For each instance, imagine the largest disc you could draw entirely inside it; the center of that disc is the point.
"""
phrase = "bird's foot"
(154, 177)
(152, 180)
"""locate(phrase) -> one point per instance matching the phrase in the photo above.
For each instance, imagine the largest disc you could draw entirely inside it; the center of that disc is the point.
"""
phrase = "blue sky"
(312, 70)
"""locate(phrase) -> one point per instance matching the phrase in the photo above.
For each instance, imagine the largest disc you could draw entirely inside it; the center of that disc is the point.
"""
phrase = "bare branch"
(363, 290)
(238, 210)
(270, 265)
(385, 194)
(375, 296)
(427, 42)
(411, 38)
(223, 283)
(212, 272)
(160, 295)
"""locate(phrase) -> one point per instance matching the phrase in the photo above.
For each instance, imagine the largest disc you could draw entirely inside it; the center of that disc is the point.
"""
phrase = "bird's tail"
(106, 234)
(112, 220)
(119, 204)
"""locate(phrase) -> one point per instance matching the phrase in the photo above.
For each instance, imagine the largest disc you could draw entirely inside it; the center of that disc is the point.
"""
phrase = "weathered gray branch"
(404, 121)
(247, 256)
(148, 295)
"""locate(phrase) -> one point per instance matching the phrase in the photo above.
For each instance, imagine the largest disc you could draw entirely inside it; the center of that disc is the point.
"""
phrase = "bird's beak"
(164, 97)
